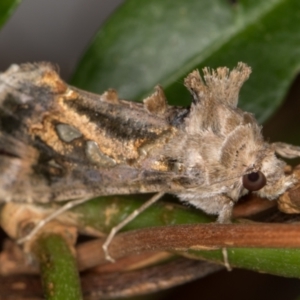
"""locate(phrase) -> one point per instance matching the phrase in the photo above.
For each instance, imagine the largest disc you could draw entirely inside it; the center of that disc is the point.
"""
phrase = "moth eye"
(254, 181)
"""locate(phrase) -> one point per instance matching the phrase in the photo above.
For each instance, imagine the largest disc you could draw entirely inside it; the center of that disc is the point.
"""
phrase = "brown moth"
(60, 143)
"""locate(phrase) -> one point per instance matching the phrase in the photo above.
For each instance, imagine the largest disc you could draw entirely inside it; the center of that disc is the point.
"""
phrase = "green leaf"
(6, 9)
(103, 213)
(146, 43)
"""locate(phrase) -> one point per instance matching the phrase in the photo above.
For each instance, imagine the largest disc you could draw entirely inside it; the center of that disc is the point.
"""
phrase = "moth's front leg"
(220, 205)
(286, 150)
(226, 211)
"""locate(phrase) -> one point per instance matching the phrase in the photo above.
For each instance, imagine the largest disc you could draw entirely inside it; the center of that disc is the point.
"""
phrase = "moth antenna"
(128, 219)
(286, 150)
(224, 84)
(157, 102)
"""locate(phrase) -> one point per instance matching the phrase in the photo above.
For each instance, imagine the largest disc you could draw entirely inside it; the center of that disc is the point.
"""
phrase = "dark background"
(59, 31)
(55, 30)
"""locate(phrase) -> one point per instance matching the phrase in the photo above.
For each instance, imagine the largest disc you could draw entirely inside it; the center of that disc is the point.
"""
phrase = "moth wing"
(18, 182)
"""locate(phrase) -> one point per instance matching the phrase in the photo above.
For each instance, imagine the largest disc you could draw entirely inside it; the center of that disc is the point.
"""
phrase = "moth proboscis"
(60, 143)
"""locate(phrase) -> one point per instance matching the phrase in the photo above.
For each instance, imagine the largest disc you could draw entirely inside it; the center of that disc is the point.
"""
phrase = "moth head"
(270, 180)
(264, 173)
(247, 157)
(237, 159)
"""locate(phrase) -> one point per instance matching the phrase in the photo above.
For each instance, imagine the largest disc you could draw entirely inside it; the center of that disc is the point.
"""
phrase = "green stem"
(281, 262)
(58, 267)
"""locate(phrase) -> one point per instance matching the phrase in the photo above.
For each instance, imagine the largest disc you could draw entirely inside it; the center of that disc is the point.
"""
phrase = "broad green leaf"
(103, 213)
(146, 43)
(6, 9)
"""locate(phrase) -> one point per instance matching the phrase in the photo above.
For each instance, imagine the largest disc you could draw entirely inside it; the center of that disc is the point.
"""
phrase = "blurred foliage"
(158, 42)
(7, 7)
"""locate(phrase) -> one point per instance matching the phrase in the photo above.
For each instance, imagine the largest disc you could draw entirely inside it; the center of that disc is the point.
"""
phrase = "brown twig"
(145, 281)
(252, 205)
(184, 237)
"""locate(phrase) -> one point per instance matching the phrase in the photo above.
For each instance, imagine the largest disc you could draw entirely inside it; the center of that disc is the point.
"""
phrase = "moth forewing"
(61, 143)
(88, 145)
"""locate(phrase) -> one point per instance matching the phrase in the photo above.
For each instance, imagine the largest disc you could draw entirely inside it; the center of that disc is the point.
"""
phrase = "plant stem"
(58, 267)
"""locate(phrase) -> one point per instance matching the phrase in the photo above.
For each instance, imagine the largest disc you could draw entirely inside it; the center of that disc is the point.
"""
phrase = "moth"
(60, 143)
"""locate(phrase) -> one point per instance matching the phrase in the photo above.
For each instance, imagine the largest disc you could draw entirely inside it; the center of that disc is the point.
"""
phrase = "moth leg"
(286, 150)
(52, 216)
(225, 217)
(225, 259)
(128, 219)
(225, 213)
